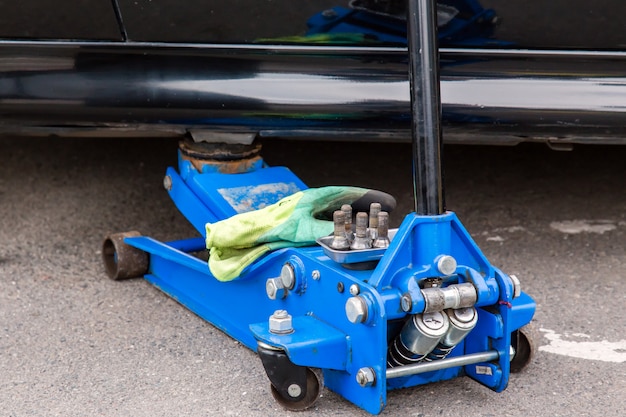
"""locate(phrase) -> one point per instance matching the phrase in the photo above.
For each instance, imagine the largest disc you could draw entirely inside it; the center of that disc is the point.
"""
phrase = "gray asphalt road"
(73, 343)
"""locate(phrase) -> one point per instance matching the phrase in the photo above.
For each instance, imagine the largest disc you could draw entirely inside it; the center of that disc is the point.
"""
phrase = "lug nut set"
(371, 231)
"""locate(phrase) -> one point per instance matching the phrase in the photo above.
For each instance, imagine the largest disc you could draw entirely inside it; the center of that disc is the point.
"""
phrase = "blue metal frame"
(324, 337)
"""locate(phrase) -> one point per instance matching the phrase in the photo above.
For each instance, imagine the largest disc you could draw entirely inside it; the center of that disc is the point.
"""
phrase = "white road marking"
(598, 351)
(584, 226)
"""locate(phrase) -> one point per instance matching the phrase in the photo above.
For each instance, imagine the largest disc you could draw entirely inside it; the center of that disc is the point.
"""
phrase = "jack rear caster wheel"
(294, 387)
(524, 341)
(296, 400)
(122, 261)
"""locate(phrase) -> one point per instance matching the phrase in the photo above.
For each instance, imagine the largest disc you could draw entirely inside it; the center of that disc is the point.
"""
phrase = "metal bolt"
(446, 265)
(315, 275)
(280, 322)
(167, 183)
(340, 287)
(340, 241)
(517, 286)
(356, 310)
(374, 210)
(294, 390)
(382, 240)
(275, 289)
(361, 241)
(406, 302)
(354, 289)
(288, 276)
(366, 377)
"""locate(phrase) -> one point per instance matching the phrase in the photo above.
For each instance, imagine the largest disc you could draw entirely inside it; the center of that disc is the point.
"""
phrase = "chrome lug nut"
(340, 241)
(373, 226)
(361, 241)
(382, 240)
(347, 210)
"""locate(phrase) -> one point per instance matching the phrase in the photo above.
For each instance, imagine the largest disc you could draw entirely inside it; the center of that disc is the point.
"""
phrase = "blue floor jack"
(429, 307)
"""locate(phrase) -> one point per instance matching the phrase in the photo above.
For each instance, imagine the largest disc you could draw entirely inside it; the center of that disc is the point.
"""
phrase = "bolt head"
(356, 310)
(406, 302)
(315, 275)
(281, 322)
(275, 289)
(366, 377)
(288, 276)
(446, 265)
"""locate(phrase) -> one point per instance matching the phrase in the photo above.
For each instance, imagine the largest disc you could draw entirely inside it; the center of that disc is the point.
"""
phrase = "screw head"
(315, 275)
(356, 310)
(354, 289)
(366, 377)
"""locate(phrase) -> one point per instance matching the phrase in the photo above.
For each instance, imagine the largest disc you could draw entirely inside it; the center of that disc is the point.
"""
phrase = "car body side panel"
(557, 24)
(60, 19)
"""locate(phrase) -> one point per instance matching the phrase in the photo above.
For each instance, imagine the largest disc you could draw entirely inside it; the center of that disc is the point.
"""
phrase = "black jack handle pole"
(425, 106)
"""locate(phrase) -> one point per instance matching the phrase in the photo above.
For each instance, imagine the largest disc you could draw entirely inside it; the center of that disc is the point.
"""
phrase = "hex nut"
(366, 377)
(281, 322)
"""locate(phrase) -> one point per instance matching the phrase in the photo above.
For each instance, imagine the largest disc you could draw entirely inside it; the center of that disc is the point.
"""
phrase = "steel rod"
(421, 368)
(425, 106)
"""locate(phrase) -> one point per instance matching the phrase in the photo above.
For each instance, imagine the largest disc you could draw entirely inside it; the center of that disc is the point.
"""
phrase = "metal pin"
(361, 241)
(347, 210)
(339, 242)
(374, 210)
(382, 241)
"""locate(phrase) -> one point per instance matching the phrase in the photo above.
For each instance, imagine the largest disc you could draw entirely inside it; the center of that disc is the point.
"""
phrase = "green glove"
(296, 220)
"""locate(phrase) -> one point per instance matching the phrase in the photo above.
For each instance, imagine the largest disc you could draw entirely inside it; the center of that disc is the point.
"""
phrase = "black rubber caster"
(524, 341)
(122, 261)
(294, 387)
(314, 385)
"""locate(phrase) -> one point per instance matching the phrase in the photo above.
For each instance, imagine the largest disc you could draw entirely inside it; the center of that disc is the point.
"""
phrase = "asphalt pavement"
(74, 343)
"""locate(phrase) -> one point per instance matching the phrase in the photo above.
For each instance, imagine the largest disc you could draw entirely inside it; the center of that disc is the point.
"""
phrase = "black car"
(512, 71)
